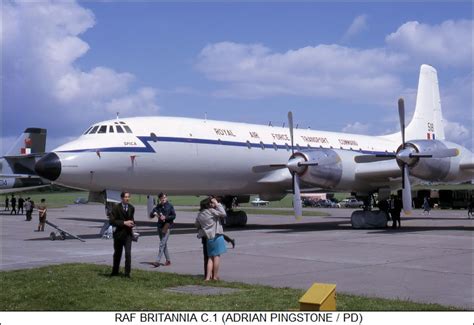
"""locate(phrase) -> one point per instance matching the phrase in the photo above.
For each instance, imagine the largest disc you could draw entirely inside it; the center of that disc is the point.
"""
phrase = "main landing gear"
(235, 218)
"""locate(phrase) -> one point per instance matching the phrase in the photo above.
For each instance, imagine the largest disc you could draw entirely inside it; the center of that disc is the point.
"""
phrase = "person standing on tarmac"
(6, 203)
(209, 226)
(165, 213)
(13, 203)
(21, 202)
(122, 217)
(42, 212)
(28, 209)
(396, 206)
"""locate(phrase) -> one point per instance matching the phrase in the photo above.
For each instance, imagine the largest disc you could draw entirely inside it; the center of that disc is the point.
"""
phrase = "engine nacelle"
(433, 169)
(335, 169)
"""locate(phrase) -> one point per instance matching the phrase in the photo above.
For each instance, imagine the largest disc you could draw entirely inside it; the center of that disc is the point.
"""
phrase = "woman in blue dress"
(209, 223)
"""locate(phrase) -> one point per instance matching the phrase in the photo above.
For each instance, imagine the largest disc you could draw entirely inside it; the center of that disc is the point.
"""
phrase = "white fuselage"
(192, 156)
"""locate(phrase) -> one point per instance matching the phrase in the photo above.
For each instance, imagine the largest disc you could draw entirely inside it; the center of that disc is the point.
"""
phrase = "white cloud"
(143, 102)
(356, 127)
(449, 43)
(253, 70)
(458, 133)
(358, 25)
(41, 44)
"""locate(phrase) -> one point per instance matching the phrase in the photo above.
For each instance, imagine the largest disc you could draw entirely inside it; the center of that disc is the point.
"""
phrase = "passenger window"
(275, 146)
(94, 129)
(119, 129)
(87, 130)
(111, 129)
(249, 145)
(103, 129)
(153, 137)
(287, 147)
(127, 129)
(262, 145)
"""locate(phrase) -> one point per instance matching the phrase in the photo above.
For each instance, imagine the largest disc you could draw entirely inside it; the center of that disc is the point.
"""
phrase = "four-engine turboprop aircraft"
(185, 156)
(17, 167)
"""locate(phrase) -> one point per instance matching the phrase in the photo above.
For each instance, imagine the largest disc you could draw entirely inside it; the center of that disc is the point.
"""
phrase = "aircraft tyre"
(236, 219)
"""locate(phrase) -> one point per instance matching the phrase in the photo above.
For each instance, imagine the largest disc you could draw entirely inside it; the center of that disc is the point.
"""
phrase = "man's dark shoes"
(113, 274)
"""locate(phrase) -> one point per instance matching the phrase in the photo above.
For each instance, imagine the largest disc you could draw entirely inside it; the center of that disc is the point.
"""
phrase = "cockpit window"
(127, 129)
(103, 129)
(87, 130)
(111, 129)
(119, 129)
(94, 129)
(122, 122)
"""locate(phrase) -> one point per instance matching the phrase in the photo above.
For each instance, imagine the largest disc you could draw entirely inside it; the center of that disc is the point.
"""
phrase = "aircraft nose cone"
(49, 166)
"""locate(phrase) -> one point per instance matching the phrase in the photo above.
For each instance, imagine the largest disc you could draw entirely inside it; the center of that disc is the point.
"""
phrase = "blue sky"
(338, 66)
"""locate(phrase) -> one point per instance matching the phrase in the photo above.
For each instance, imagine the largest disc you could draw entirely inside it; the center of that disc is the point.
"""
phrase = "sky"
(339, 66)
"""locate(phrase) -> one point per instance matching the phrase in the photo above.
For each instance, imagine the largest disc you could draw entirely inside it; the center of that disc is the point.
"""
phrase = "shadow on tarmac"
(148, 228)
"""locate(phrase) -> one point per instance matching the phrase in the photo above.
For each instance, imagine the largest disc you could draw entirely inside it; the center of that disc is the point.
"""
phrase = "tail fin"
(32, 141)
(427, 122)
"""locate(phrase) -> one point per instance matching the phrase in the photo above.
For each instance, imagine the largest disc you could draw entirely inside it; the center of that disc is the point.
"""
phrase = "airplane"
(188, 156)
(17, 167)
(258, 202)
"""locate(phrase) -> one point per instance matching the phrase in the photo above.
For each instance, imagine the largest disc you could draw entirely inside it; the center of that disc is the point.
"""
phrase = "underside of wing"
(381, 171)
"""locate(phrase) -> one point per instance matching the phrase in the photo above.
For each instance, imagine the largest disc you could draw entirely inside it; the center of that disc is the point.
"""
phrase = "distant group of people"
(209, 223)
(20, 206)
(16, 205)
(27, 206)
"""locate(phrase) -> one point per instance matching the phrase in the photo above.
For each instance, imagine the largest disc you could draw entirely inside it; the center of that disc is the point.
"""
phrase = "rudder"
(427, 121)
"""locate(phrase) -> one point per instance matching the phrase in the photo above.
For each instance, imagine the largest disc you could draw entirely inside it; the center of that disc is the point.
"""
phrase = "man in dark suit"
(122, 218)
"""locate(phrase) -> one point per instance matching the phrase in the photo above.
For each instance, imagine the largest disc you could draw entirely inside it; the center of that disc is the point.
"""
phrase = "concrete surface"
(430, 259)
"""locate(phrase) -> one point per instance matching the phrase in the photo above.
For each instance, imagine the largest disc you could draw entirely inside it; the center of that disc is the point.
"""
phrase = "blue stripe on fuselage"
(148, 148)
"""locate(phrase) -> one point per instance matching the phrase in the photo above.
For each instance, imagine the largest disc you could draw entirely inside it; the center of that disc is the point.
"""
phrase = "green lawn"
(53, 199)
(87, 287)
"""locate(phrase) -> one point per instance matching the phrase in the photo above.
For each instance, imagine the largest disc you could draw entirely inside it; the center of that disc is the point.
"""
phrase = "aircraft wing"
(467, 163)
(381, 171)
(18, 176)
(20, 189)
(281, 175)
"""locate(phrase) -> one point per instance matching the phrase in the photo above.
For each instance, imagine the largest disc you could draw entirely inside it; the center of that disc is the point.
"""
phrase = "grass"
(53, 199)
(275, 212)
(87, 287)
(62, 199)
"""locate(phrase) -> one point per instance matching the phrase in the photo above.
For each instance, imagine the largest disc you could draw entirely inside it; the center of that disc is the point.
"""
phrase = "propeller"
(297, 206)
(406, 156)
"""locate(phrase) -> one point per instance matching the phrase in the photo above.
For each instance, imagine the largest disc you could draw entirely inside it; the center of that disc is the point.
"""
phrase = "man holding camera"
(165, 213)
(122, 218)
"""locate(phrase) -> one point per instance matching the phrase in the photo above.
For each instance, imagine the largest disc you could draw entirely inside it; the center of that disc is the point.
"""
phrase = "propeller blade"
(297, 197)
(441, 153)
(290, 126)
(406, 191)
(401, 114)
(373, 158)
(308, 163)
(267, 168)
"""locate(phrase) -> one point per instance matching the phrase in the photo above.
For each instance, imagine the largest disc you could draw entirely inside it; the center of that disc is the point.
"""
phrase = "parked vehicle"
(325, 204)
(309, 203)
(352, 203)
(81, 200)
